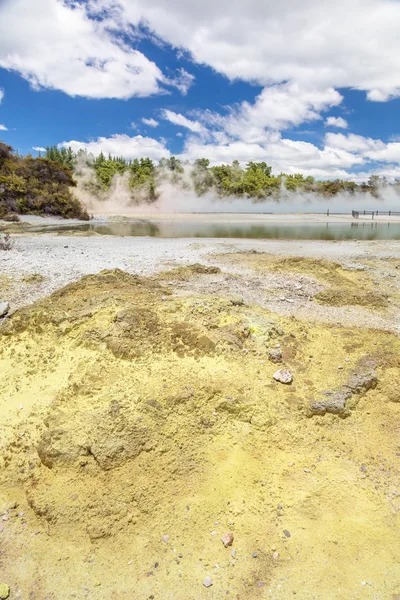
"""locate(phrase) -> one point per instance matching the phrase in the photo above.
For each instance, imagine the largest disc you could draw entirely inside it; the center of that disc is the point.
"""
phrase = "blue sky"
(296, 85)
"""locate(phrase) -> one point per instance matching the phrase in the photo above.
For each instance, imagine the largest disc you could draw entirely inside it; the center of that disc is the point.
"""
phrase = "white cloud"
(352, 142)
(181, 121)
(122, 145)
(336, 122)
(3, 128)
(150, 122)
(183, 81)
(56, 45)
(38, 148)
(1, 94)
(277, 107)
(339, 43)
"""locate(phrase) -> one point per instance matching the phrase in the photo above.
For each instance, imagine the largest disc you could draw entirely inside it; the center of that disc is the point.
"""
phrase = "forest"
(45, 185)
(255, 180)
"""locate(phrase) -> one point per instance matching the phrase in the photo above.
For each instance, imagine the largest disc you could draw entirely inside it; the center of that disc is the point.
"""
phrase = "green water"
(296, 231)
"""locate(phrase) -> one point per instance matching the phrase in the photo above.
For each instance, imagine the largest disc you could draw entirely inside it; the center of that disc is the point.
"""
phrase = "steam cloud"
(178, 198)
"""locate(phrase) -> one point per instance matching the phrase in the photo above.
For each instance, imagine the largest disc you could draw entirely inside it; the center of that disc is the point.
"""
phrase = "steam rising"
(181, 198)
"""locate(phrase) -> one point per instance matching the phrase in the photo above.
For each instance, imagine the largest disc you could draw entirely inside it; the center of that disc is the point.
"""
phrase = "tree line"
(255, 180)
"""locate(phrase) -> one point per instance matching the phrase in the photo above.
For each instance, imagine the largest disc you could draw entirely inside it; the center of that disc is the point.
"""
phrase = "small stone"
(4, 308)
(1, 527)
(275, 556)
(287, 533)
(237, 300)
(289, 300)
(227, 539)
(340, 367)
(283, 376)
(233, 553)
(275, 356)
(4, 591)
(165, 538)
(254, 555)
(207, 582)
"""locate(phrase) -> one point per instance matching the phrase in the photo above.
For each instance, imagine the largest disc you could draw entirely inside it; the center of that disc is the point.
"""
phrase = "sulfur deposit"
(140, 426)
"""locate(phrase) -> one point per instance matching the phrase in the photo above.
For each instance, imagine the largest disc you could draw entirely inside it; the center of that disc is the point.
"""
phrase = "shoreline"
(210, 217)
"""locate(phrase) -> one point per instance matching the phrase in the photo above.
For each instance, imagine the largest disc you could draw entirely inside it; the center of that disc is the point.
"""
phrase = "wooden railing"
(374, 213)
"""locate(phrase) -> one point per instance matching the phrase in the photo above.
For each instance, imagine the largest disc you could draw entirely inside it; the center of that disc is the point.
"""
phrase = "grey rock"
(207, 582)
(360, 382)
(330, 402)
(287, 533)
(237, 300)
(275, 356)
(4, 308)
(283, 376)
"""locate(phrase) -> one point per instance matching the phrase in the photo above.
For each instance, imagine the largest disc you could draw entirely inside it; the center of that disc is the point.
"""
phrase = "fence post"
(327, 213)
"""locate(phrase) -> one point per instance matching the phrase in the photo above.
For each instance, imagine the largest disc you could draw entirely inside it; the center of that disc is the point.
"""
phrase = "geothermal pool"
(365, 230)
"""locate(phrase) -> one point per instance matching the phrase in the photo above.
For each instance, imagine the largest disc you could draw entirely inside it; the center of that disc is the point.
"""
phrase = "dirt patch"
(348, 297)
(187, 272)
(346, 286)
(139, 427)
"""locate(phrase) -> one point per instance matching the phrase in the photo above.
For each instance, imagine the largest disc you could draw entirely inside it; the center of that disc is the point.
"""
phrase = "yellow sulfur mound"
(139, 429)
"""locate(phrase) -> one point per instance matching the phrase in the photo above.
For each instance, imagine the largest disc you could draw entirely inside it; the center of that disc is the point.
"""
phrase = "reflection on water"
(299, 231)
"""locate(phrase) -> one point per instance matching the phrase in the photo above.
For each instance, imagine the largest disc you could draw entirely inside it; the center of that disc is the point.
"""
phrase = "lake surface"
(275, 230)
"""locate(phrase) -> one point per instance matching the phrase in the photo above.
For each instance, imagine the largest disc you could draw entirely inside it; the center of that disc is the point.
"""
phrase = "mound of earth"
(139, 429)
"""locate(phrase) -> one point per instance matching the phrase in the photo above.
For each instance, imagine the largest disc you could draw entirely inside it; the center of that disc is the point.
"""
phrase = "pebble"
(1, 527)
(275, 556)
(237, 300)
(227, 539)
(283, 376)
(233, 553)
(207, 582)
(287, 533)
(165, 538)
(254, 555)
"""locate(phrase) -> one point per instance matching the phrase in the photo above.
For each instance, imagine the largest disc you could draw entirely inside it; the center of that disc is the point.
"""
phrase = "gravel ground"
(61, 259)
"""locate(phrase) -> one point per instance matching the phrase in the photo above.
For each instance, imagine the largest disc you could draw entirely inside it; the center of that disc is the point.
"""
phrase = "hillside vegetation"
(36, 185)
(145, 180)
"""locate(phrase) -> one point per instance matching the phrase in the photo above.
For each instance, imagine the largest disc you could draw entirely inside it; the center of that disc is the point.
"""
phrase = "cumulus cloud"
(150, 122)
(122, 145)
(278, 107)
(181, 121)
(39, 148)
(352, 142)
(55, 44)
(339, 43)
(3, 128)
(336, 122)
